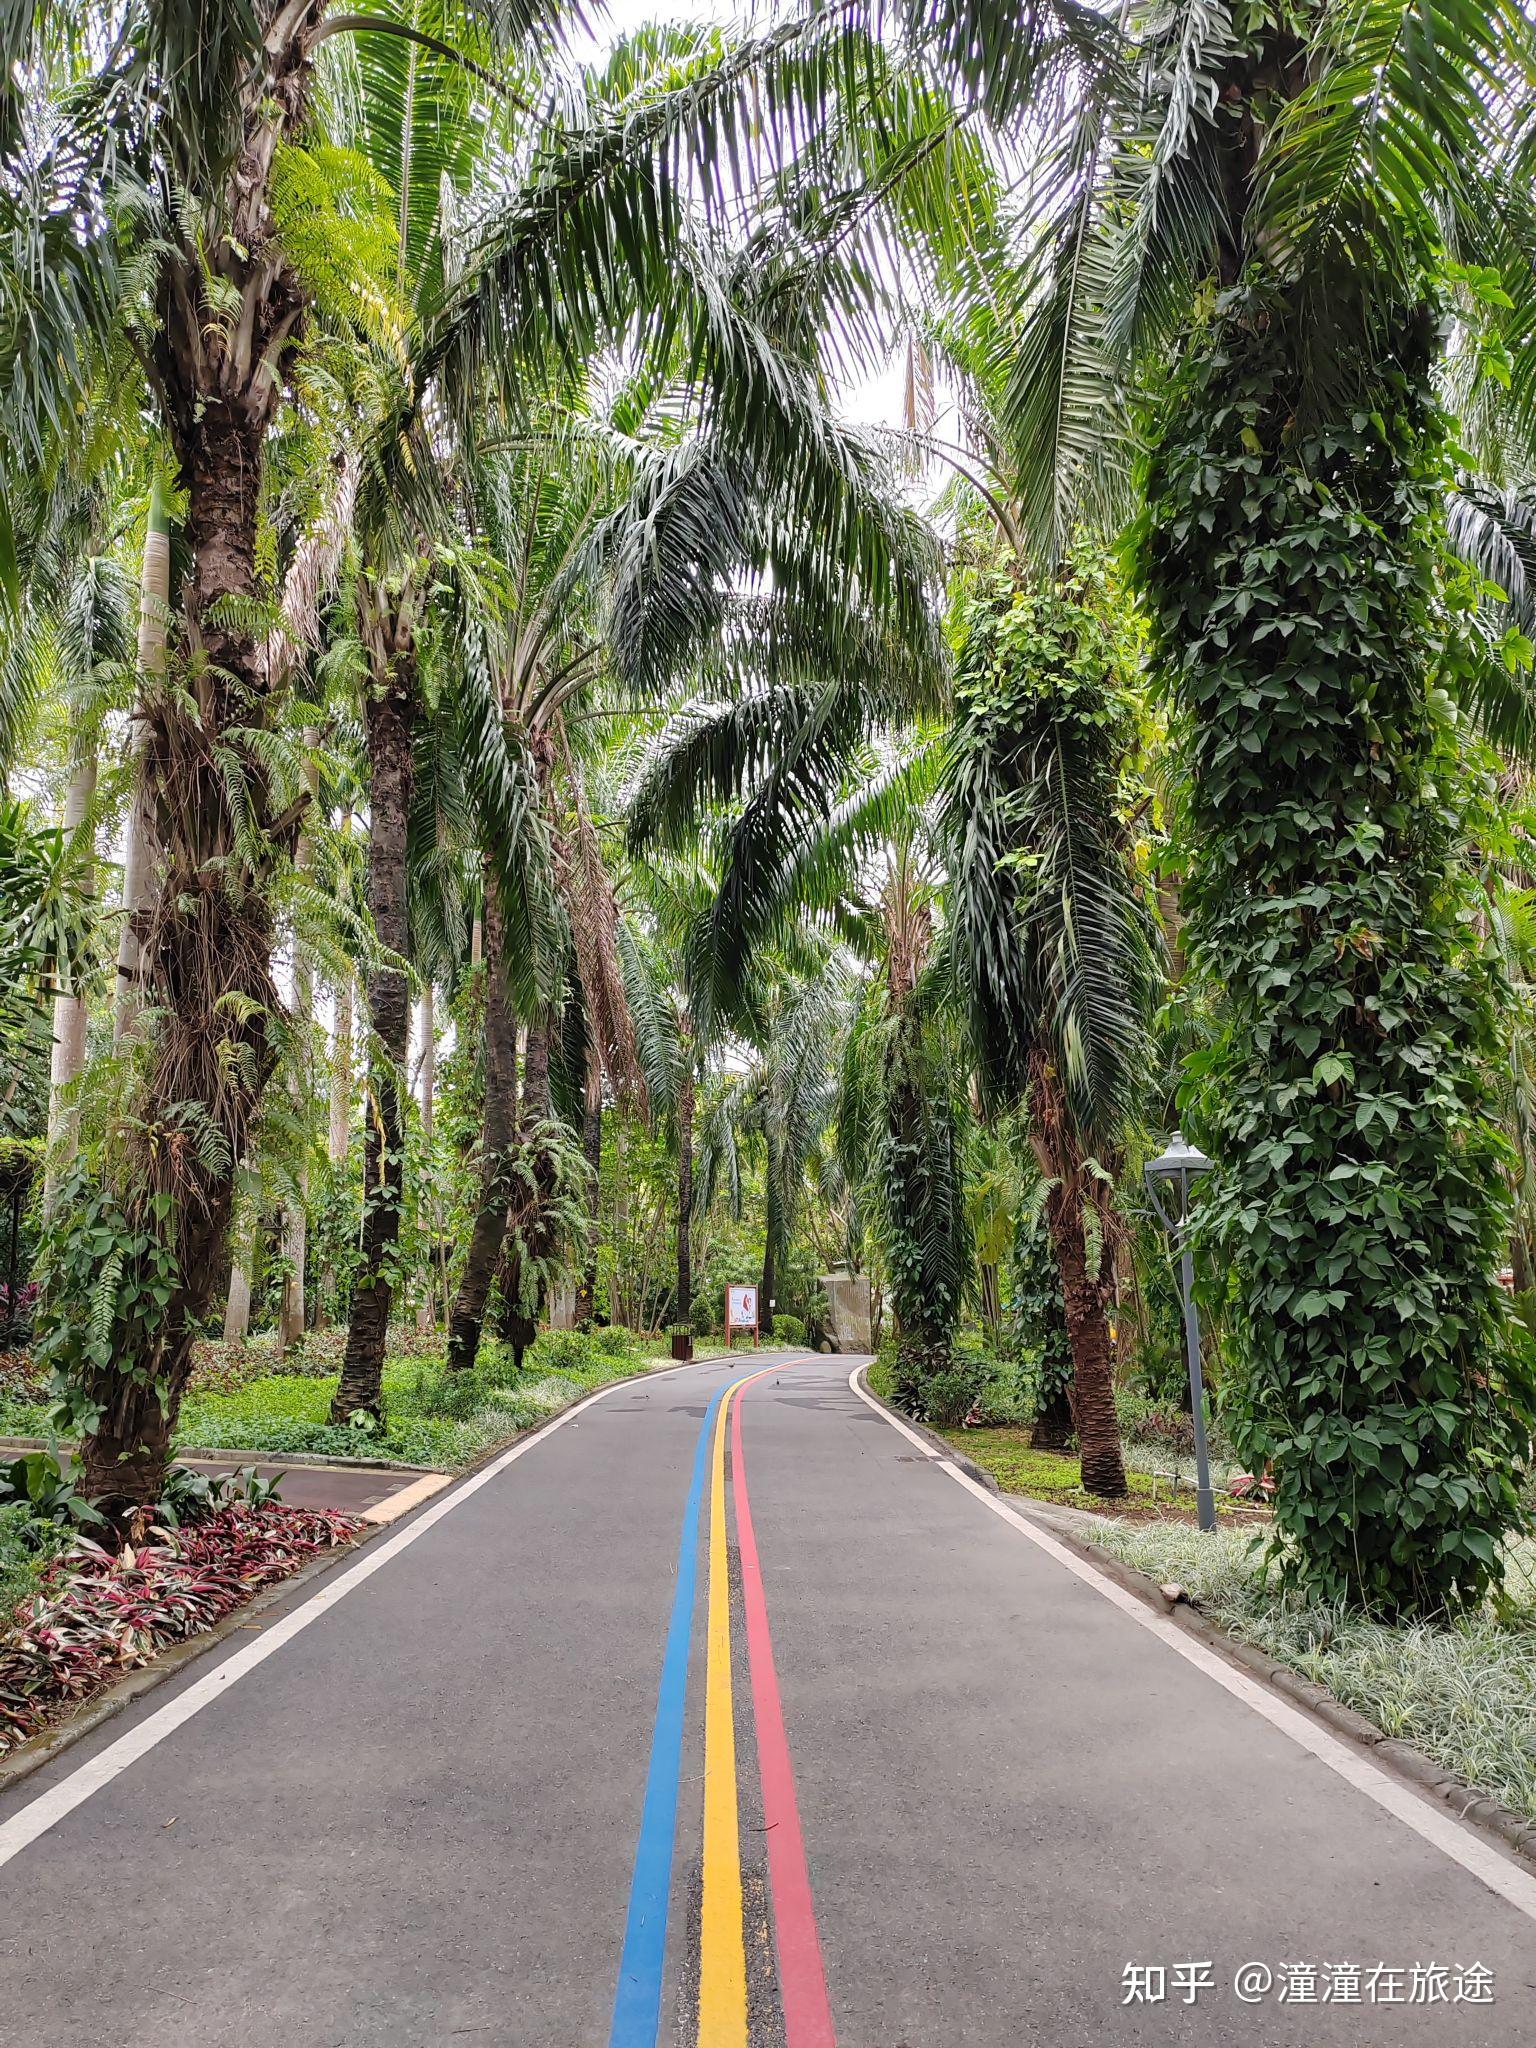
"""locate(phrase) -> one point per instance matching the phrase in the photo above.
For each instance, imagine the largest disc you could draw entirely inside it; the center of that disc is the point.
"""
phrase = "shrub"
(788, 1330)
(1155, 1422)
(936, 1384)
(38, 1482)
(949, 1396)
(612, 1341)
(27, 1547)
(566, 1350)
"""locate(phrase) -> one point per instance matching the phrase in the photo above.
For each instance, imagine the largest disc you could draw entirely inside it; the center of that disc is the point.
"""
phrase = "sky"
(871, 401)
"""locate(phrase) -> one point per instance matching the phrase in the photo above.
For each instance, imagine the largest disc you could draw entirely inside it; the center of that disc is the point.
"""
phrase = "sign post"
(740, 1313)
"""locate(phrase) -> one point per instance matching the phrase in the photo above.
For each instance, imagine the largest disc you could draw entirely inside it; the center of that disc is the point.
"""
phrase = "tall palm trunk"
(339, 1136)
(592, 1150)
(773, 1235)
(530, 1236)
(618, 1284)
(1084, 1299)
(388, 634)
(291, 1312)
(426, 1312)
(68, 1059)
(206, 933)
(496, 1139)
(683, 1307)
(139, 853)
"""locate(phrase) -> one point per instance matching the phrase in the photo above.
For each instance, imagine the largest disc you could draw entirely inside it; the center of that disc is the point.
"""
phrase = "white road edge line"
(50, 1807)
(1440, 1829)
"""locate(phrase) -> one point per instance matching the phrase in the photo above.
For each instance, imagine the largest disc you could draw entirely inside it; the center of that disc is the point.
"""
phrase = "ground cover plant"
(90, 1614)
(1462, 1690)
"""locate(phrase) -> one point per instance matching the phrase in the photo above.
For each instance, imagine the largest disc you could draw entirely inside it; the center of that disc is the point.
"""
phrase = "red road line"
(802, 1976)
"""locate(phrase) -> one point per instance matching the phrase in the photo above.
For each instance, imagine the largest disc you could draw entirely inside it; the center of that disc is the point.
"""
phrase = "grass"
(238, 1402)
(1054, 1476)
(433, 1417)
(1464, 1692)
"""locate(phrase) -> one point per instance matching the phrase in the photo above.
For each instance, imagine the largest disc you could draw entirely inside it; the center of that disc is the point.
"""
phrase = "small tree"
(1051, 935)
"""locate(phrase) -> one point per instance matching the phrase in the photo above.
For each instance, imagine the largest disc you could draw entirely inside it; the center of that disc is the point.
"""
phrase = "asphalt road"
(433, 1814)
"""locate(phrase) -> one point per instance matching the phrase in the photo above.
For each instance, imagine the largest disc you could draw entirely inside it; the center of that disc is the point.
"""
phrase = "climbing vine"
(1290, 564)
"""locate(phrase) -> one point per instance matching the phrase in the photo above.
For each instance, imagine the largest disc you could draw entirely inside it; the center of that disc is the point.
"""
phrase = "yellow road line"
(722, 1950)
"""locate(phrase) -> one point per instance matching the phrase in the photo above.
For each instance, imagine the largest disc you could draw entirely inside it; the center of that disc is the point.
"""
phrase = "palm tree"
(175, 215)
(1051, 936)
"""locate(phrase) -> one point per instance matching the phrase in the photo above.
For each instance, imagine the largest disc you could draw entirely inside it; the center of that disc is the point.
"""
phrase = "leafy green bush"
(949, 1396)
(613, 1341)
(37, 1482)
(936, 1384)
(563, 1350)
(788, 1330)
(27, 1547)
(188, 1498)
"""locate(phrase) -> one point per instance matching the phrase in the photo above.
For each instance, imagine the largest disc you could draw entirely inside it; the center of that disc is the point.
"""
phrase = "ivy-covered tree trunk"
(390, 714)
(497, 1132)
(926, 1234)
(1040, 1319)
(1290, 564)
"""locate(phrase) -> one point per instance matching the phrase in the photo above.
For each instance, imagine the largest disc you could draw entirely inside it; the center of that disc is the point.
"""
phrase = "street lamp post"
(1168, 1179)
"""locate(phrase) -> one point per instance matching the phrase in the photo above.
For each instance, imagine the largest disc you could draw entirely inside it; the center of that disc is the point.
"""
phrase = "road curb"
(48, 1743)
(1471, 1803)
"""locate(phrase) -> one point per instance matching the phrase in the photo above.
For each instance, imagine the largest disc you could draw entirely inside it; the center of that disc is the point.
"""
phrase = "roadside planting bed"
(94, 1615)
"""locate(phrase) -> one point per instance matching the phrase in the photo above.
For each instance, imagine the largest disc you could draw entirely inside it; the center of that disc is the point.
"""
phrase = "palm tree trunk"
(592, 1147)
(1082, 1295)
(522, 1289)
(991, 1299)
(338, 1141)
(139, 854)
(291, 1314)
(237, 1301)
(618, 1290)
(426, 1308)
(683, 1307)
(206, 932)
(68, 1060)
(1052, 1427)
(498, 1126)
(340, 1136)
(772, 1227)
(391, 713)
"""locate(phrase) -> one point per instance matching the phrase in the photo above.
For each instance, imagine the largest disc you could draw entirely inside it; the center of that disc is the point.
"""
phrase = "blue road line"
(637, 2001)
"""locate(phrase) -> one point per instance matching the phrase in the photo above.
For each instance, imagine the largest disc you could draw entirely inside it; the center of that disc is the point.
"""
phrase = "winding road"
(722, 1712)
